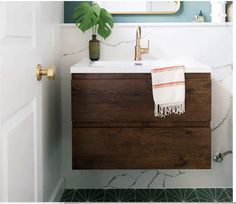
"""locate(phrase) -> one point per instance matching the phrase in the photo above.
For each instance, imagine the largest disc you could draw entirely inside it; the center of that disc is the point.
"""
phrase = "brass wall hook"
(49, 72)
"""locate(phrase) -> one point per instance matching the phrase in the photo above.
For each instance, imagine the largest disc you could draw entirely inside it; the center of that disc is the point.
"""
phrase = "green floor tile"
(88, 195)
(212, 195)
(229, 192)
(150, 195)
(181, 195)
(119, 195)
(67, 196)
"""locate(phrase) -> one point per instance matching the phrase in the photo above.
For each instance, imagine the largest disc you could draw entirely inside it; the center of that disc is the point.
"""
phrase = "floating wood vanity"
(114, 126)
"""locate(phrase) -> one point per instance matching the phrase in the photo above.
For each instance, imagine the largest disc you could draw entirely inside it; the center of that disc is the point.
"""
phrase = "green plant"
(93, 16)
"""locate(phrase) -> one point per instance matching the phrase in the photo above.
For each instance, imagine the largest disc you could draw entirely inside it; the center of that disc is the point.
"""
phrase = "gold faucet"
(138, 49)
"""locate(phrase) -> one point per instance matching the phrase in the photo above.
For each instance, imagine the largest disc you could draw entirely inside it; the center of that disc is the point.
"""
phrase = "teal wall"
(187, 10)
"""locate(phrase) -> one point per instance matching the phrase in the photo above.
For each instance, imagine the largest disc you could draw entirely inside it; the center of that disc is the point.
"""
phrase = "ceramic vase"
(218, 11)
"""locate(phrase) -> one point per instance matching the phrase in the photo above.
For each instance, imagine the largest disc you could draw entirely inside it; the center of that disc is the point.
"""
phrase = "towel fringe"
(164, 110)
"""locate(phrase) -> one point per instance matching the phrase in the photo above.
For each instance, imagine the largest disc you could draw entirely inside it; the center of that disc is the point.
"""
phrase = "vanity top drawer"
(117, 98)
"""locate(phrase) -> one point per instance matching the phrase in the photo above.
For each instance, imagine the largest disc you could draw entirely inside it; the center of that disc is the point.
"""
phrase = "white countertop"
(86, 66)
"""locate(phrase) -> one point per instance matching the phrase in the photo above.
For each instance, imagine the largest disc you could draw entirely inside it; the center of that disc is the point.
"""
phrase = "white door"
(25, 103)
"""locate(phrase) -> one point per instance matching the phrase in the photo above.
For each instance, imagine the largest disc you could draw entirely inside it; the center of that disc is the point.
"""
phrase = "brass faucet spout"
(138, 49)
(138, 32)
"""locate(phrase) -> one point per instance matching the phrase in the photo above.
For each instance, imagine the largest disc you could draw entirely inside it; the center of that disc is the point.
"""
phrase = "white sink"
(86, 66)
(122, 63)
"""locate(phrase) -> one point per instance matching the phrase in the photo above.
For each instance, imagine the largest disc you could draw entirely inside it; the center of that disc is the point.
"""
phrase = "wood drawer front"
(141, 148)
(128, 97)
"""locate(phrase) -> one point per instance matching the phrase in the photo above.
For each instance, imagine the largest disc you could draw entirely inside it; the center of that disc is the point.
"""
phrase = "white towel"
(168, 87)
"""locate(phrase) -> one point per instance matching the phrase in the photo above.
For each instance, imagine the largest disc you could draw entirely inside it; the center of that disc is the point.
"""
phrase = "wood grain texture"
(130, 99)
(143, 124)
(141, 148)
(114, 126)
(133, 76)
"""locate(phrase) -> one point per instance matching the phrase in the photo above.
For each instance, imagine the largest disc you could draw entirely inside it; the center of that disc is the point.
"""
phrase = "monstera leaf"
(105, 23)
(87, 15)
(92, 16)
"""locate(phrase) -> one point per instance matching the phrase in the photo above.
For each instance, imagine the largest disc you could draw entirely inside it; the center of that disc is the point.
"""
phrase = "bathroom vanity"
(113, 124)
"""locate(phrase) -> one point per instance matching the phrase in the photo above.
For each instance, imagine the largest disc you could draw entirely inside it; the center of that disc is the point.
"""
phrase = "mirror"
(140, 7)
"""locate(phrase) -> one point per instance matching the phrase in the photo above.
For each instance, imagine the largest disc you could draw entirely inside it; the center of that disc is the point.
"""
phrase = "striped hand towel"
(168, 87)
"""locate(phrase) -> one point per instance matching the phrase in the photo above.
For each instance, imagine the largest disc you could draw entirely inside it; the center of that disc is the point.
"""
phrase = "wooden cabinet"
(114, 126)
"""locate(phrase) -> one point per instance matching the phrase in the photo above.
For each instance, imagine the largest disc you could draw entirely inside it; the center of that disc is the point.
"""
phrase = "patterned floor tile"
(229, 192)
(67, 196)
(150, 195)
(88, 195)
(119, 195)
(181, 195)
(212, 195)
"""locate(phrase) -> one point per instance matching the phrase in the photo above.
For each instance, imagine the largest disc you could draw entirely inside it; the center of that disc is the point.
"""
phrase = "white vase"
(218, 11)
(230, 13)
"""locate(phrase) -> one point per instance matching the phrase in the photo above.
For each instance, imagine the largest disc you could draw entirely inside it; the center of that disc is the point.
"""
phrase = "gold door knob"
(49, 72)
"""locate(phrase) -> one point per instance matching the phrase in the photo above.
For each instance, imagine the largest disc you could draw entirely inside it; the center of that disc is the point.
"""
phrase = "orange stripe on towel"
(168, 84)
(167, 68)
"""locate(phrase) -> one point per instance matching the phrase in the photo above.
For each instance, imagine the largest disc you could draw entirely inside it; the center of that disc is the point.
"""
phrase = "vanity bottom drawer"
(142, 148)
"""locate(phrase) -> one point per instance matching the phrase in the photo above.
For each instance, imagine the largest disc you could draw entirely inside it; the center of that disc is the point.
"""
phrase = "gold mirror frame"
(149, 13)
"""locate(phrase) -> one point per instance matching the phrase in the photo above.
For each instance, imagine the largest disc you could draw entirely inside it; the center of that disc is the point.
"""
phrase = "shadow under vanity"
(114, 126)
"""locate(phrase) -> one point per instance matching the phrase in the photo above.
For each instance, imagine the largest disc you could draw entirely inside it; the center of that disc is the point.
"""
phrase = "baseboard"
(58, 191)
